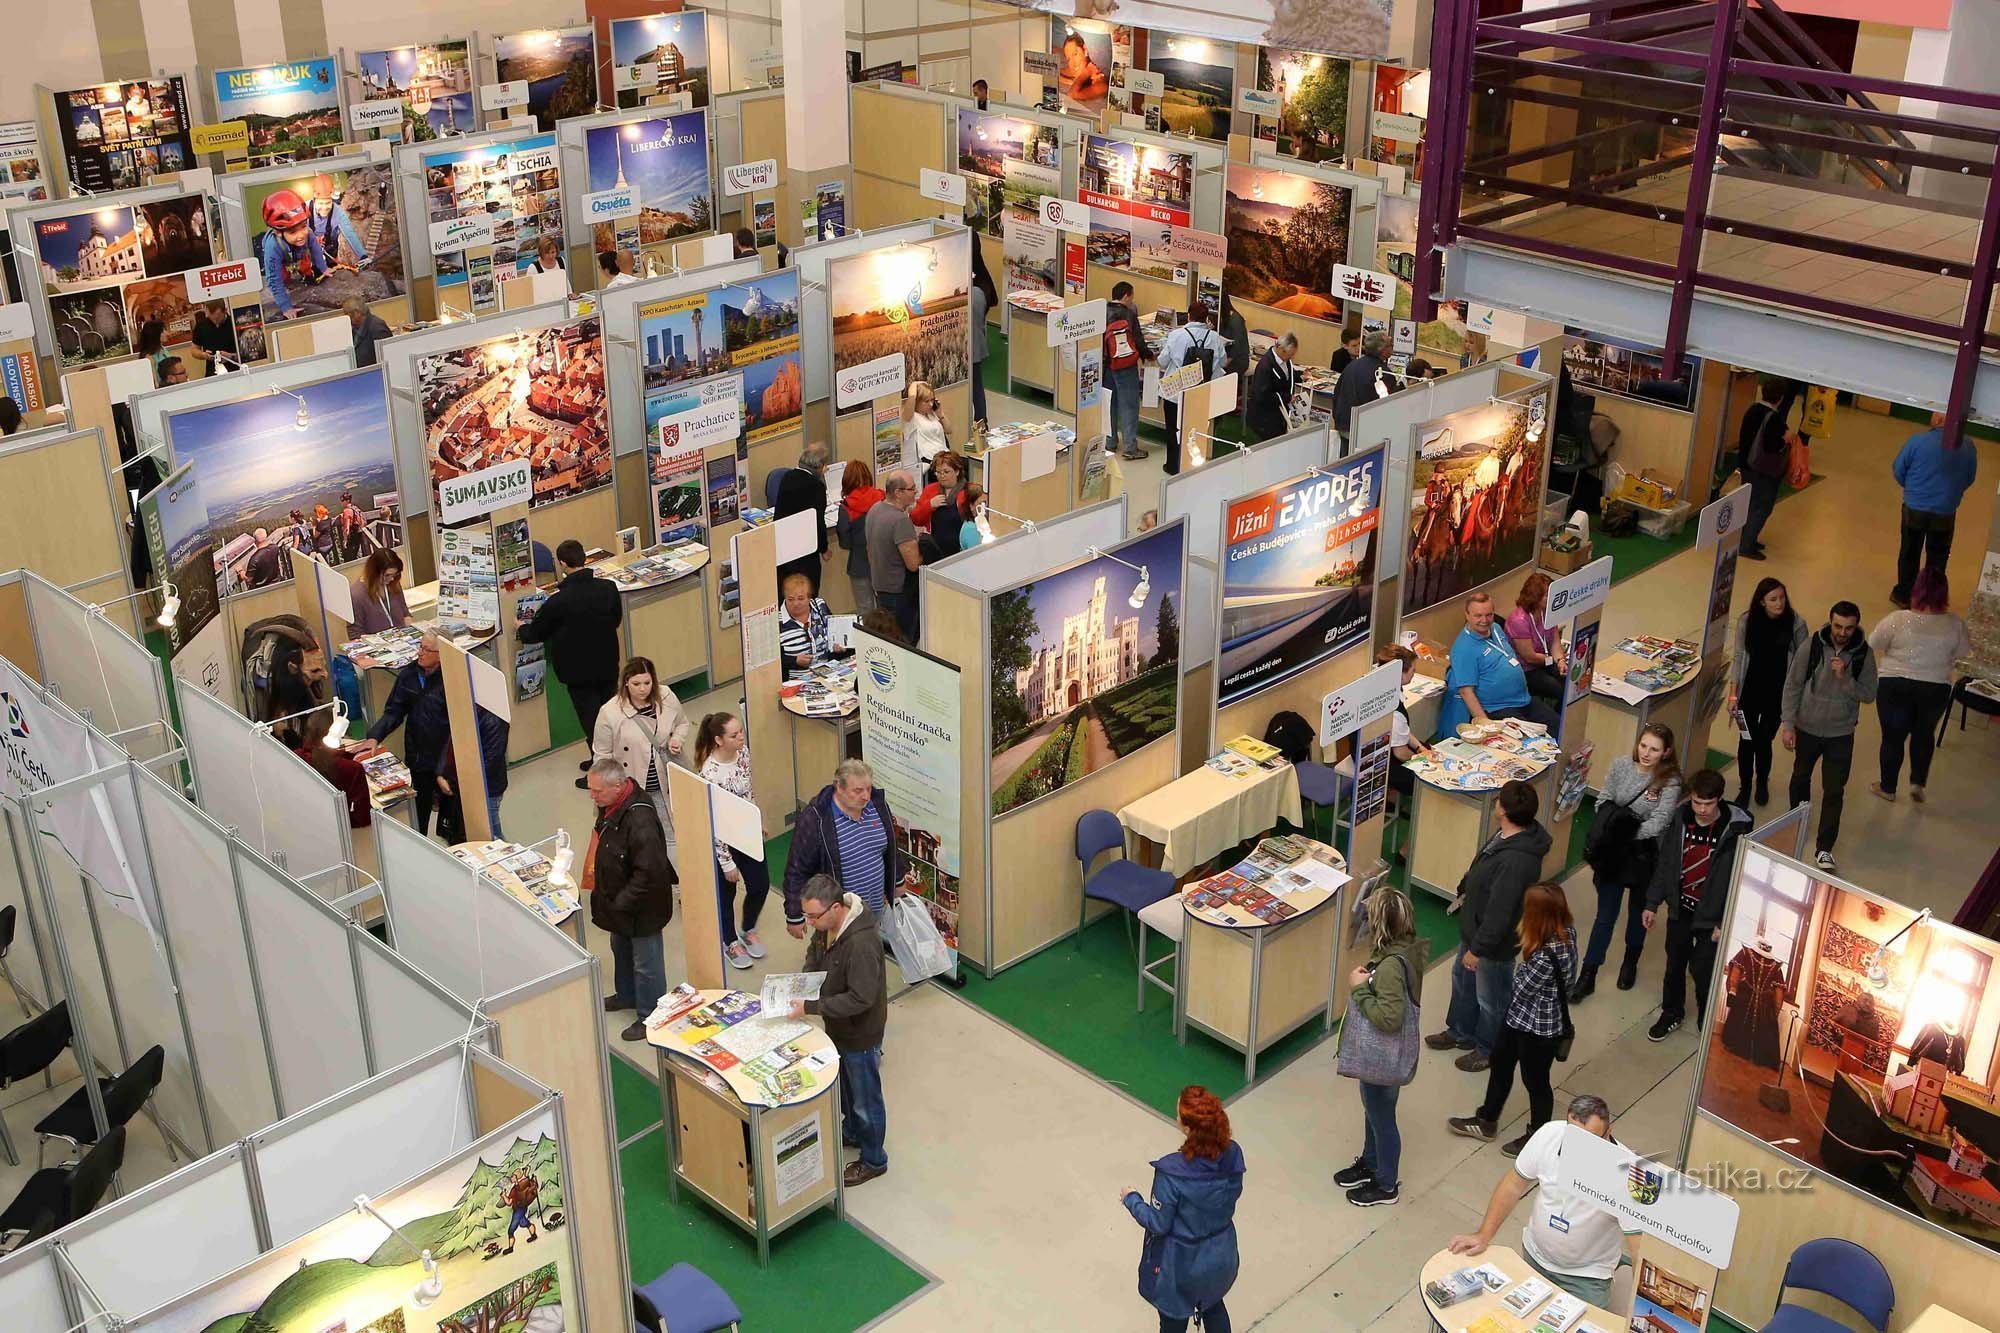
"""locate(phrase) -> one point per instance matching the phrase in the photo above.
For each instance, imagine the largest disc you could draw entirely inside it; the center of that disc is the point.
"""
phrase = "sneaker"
(1472, 1062)
(1353, 1176)
(1135, 454)
(1825, 861)
(583, 784)
(614, 1003)
(1371, 1194)
(1917, 795)
(753, 944)
(1472, 1127)
(1444, 1041)
(1512, 1147)
(634, 1032)
(1883, 792)
(1660, 1029)
(738, 956)
(860, 1173)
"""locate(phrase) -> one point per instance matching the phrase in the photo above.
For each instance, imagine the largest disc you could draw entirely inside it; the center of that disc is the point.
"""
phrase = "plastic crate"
(1664, 522)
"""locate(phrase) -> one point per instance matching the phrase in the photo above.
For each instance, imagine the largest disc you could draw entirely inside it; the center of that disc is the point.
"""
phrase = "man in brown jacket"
(854, 1004)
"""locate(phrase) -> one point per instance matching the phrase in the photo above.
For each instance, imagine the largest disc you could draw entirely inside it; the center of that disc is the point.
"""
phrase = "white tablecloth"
(1203, 813)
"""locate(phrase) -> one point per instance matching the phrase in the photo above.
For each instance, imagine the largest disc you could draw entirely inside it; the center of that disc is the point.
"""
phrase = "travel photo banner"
(116, 136)
(1298, 573)
(291, 110)
(175, 520)
(912, 729)
(1475, 498)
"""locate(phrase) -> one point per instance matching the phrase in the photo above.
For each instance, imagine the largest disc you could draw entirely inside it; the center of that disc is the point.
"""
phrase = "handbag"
(1798, 472)
(1610, 836)
(1370, 1055)
(1568, 1038)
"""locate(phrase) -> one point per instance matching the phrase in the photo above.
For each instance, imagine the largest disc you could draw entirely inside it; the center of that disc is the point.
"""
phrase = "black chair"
(27, 1051)
(9, 922)
(124, 1097)
(56, 1196)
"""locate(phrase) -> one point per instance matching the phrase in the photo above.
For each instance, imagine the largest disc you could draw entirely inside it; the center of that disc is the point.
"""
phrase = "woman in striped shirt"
(723, 755)
(802, 627)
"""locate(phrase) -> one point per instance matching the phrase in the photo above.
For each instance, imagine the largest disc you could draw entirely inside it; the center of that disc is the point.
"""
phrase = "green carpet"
(1638, 552)
(635, 1098)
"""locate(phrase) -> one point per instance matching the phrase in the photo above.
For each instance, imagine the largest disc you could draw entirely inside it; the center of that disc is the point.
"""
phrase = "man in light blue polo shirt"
(1485, 680)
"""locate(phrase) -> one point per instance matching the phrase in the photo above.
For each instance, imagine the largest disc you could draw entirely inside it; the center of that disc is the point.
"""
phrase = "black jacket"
(634, 891)
(1666, 885)
(493, 733)
(1270, 390)
(579, 623)
(1355, 386)
(1489, 913)
(418, 700)
(854, 999)
(816, 849)
(803, 491)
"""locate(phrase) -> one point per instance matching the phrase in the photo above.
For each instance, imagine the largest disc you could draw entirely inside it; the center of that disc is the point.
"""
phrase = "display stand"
(1612, 725)
(79, 543)
(572, 140)
(1038, 500)
(668, 621)
(898, 131)
(1447, 829)
(769, 728)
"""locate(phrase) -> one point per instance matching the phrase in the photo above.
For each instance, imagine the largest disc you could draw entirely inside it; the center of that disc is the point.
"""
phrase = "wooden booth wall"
(80, 541)
(761, 117)
(894, 136)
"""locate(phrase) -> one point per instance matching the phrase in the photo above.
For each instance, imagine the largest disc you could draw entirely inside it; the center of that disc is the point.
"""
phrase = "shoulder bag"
(1610, 838)
(1370, 1055)
(1568, 1037)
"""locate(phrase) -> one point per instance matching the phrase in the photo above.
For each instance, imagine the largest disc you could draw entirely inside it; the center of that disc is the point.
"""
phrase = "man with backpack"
(1831, 675)
(1763, 452)
(1191, 342)
(1124, 351)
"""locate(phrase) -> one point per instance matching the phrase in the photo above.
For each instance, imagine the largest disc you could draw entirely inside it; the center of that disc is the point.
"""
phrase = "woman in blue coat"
(1189, 1260)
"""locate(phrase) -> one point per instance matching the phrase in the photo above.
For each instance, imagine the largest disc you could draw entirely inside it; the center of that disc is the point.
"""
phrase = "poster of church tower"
(1086, 667)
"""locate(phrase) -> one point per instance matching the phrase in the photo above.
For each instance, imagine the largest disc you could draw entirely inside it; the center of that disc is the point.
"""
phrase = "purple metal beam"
(1632, 111)
(1540, 151)
(1856, 83)
(1438, 163)
(1803, 42)
(1566, 11)
(1872, 150)
(1727, 14)
(1752, 45)
(1504, 40)
(1657, 26)
(1556, 69)
(1891, 120)
(1966, 364)
(1859, 314)
(1645, 268)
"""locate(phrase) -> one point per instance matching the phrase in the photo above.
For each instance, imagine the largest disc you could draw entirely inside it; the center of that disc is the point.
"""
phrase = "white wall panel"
(314, 1010)
(176, 1235)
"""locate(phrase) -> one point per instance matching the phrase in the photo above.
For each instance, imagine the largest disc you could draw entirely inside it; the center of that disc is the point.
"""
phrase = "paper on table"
(754, 1036)
(760, 637)
(1038, 455)
(737, 822)
(489, 687)
(798, 536)
(783, 989)
(1619, 689)
(1149, 386)
(840, 632)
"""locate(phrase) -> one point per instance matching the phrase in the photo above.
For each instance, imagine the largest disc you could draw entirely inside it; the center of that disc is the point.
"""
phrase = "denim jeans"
(493, 816)
(1479, 1000)
(639, 969)
(756, 887)
(1461, 1019)
(863, 1119)
(1837, 752)
(1609, 896)
(903, 606)
(1125, 389)
(1763, 499)
(1382, 1149)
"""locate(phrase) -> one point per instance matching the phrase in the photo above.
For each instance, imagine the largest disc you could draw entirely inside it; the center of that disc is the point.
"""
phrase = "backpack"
(1292, 735)
(1121, 342)
(270, 648)
(1203, 352)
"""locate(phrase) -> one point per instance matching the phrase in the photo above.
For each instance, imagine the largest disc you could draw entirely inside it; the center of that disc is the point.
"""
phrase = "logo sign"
(220, 281)
(747, 176)
(766, 58)
(1389, 125)
(1186, 245)
(1178, 381)
(468, 233)
(1646, 1196)
(1077, 323)
(1257, 102)
(1580, 591)
(486, 490)
(17, 323)
(1145, 82)
(1065, 214)
(699, 427)
(1352, 707)
(1724, 516)
(1364, 286)
(383, 114)
(231, 137)
(947, 187)
(499, 96)
(1039, 62)
(868, 381)
(540, 159)
(1403, 335)
(610, 205)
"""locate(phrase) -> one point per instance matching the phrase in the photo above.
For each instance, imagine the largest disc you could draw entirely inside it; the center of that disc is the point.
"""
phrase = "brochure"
(1526, 1295)
(783, 989)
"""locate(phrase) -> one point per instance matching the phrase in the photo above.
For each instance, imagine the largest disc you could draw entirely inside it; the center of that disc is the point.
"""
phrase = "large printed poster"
(666, 161)
(1285, 234)
(537, 394)
(174, 518)
(433, 81)
(116, 136)
(559, 65)
(1200, 82)
(292, 110)
(1475, 498)
(912, 730)
(21, 175)
(658, 56)
(746, 331)
(913, 299)
(108, 272)
(495, 1221)
(1137, 194)
(1009, 166)
(1312, 94)
(1298, 573)
(1086, 666)
(516, 182)
(323, 236)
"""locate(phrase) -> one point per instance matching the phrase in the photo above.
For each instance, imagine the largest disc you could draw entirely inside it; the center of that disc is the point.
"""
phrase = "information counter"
(1002, 463)
(1620, 710)
(524, 873)
(1205, 813)
(820, 738)
(1492, 1304)
(665, 616)
(1450, 822)
(1033, 364)
(378, 657)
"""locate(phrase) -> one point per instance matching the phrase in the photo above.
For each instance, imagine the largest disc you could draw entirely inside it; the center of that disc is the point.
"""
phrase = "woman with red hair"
(1189, 1260)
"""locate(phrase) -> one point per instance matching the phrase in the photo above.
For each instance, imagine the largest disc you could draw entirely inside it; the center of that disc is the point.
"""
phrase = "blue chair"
(772, 481)
(1122, 882)
(1840, 1269)
(683, 1300)
(1323, 787)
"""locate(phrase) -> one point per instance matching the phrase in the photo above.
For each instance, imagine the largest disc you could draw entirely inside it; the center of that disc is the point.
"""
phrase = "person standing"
(1767, 635)
(984, 296)
(644, 728)
(1361, 381)
(1831, 675)
(631, 892)
(926, 429)
(893, 558)
(858, 495)
(214, 332)
(1484, 681)
(1537, 1020)
(1236, 339)
(723, 755)
(846, 831)
(1914, 652)
(1934, 477)
(369, 329)
(1691, 876)
(1764, 452)
(378, 594)
(579, 623)
(1271, 389)
(1350, 347)
(802, 490)
(417, 698)
(936, 509)
(1639, 796)
(1192, 341)
(492, 731)
(1190, 1257)
(853, 1003)
(1488, 904)
(1384, 988)
(1124, 353)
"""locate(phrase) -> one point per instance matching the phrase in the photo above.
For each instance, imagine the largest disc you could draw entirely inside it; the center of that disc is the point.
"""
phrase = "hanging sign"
(1065, 214)
(1145, 82)
(1724, 516)
(218, 282)
(1258, 102)
(744, 177)
(486, 490)
(1039, 62)
(947, 187)
(230, 137)
(611, 205)
(869, 380)
(1580, 591)
(1352, 707)
(381, 114)
(711, 423)
(498, 96)
(1364, 285)
(1188, 245)
(449, 235)
(1403, 335)
(1649, 1197)
(1077, 323)
(1390, 125)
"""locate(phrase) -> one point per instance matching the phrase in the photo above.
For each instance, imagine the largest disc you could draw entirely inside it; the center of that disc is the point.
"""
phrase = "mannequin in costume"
(1942, 1042)
(1756, 986)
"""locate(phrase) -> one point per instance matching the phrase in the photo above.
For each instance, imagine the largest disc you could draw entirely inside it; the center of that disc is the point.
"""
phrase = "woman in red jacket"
(858, 495)
(936, 510)
(336, 766)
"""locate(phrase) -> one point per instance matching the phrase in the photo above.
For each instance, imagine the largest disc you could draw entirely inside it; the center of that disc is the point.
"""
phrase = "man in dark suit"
(579, 623)
(802, 490)
(1271, 387)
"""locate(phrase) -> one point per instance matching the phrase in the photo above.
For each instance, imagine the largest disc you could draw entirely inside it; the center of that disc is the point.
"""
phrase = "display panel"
(1881, 1028)
(1298, 573)
(666, 161)
(174, 517)
(107, 272)
(1081, 677)
(1009, 166)
(913, 298)
(1083, 55)
(1200, 79)
(1613, 365)
(1312, 91)
(559, 65)
(1442, 340)
(22, 177)
(433, 80)
(347, 244)
(537, 394)
(327, 488)
(116, 136)
(1475, 498)
(292, 109)
(1285, 234)
(660, 55)
(515, 181)
(1137, 193)
(746, 333)
(1396, 127)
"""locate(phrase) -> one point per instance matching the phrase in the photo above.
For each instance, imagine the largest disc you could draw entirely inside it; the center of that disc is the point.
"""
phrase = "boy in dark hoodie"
(1832, 674)
(1489, 914)
(1697, 856)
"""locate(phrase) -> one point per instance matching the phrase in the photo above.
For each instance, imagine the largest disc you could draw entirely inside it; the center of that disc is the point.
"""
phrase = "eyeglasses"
(814, 918)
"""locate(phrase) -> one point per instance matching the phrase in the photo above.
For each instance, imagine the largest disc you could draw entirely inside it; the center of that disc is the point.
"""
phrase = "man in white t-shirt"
(1568, 1240)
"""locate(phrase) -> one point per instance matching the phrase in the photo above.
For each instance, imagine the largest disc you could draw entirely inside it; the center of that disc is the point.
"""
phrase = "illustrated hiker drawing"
(523, 1193)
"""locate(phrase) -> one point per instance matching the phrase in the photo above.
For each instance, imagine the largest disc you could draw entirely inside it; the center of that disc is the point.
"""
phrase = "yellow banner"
(231, 136)
(673, 306)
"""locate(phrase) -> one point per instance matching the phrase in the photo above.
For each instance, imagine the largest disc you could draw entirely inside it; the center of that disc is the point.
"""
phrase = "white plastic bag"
(914, 941)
